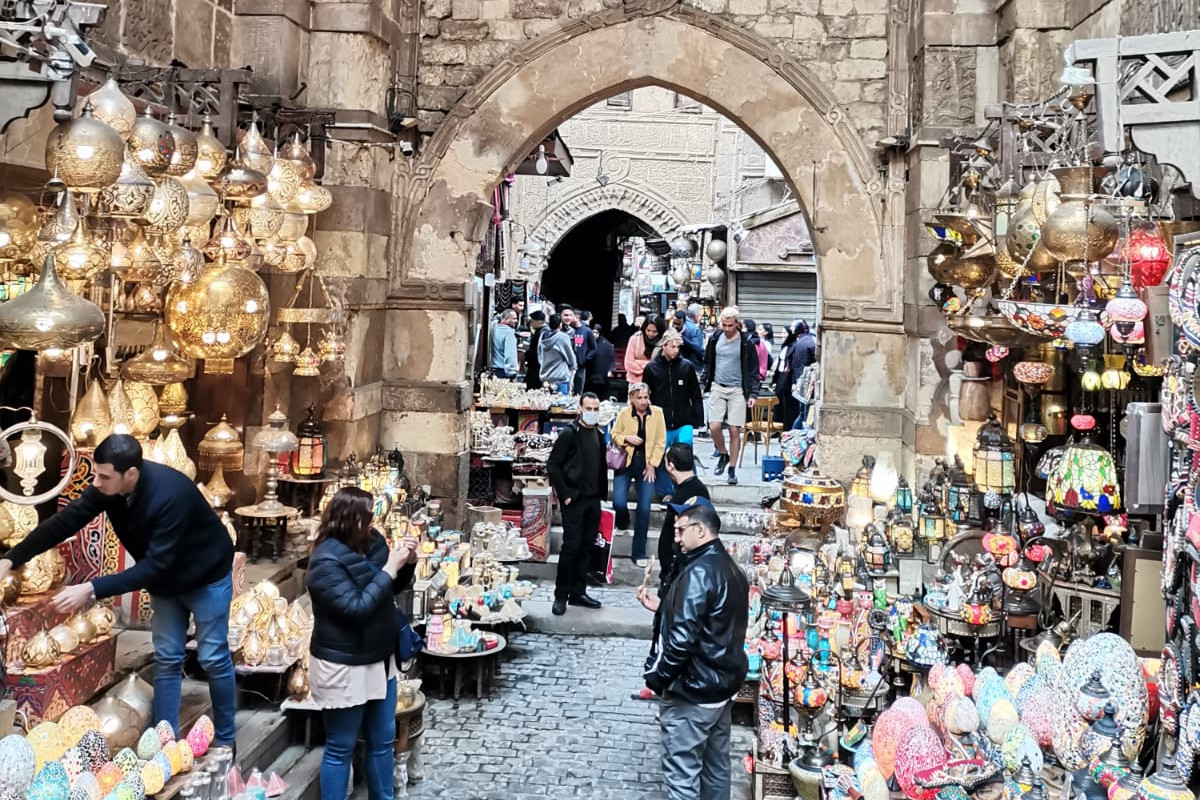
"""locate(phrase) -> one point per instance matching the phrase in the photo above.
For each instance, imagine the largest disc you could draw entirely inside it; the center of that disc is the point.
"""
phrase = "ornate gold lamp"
(221, 448)
(160, 363)
(85, 153)
(220, 317)
(275, 440)
(112, 107)
(49, 315)
(152, 144)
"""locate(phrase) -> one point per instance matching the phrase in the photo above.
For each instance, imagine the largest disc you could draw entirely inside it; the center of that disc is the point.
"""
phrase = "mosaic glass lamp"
(1085, 478)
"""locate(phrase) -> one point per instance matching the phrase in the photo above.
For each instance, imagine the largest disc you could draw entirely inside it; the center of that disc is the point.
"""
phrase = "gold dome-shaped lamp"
(229, 243)
(220, 317)
(49, 315)
(66, 639)
(253, 150)
(283, 181)
(187, 149)
(261, 218)
(312, 198)
(85, 153)
(160, 363)
(130, 195)
(82, 626)
(80, 258)
(221, 448)
(18, 225)
(110, 105)
(173, 399)
(91, 421)
(58, 226)
(240, 184)
(102, 618)
(216, 489)
(152, 144)
(211, 155)
(294, 152)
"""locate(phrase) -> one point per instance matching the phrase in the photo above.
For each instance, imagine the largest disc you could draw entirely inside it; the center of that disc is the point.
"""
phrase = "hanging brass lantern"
(211, 155)
(142, 260)
(85, 153)
(284, 349)
(111, 106)
(49, 315)
(313, 198)
(173, 399)
(331, 347)
(1079, 229)
(262, 218)
(171, 452)
(91, 421)
(190, 263)
(308, 460)
(121, 408)
(186, 149)
(283, 181)
(58, 227)
(295, 224)
(203, 202)
(131, 193)
(168, 209)
(240, 184)
(296, 154)
(254, 152)
(152, 144)
(80, 258)
(222, 448)
(220, 317)
(145, 408)
(229, 244)
(308, 364)
(18, 225)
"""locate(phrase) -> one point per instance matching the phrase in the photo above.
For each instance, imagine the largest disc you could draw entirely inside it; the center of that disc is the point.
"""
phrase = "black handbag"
(408, 642)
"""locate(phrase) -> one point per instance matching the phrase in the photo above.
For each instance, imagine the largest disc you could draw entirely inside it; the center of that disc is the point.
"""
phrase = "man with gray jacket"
(556, 355)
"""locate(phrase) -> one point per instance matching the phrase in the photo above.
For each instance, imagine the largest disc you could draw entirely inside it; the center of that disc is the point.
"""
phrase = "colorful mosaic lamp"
(1085, 478)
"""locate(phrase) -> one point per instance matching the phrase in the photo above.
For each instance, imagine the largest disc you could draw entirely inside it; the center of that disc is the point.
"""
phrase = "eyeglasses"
(682, 528)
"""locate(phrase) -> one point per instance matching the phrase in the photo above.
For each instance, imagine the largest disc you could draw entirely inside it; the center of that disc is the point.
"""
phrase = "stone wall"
(198, 33)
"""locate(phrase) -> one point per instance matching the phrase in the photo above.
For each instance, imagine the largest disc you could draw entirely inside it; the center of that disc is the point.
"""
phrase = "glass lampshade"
(295, 153)
(1085, 330)
(49, 315)
(160, 363)
(1084, 479)
(85, 153)
(18, 225)
(168, 209)
(221, 316)
(80, 258)
(190, 264)
(884, 479)
(274, 437)
(309, 457)
(145, 408)
(312, 198)
(1126, 307)
(91, 422)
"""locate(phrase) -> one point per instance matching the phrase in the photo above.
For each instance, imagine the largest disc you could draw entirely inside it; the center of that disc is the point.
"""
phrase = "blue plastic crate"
(772, 468)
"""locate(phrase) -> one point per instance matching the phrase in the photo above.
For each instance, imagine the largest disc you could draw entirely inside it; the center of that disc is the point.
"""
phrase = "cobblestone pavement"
(560, 723)
(610, 596)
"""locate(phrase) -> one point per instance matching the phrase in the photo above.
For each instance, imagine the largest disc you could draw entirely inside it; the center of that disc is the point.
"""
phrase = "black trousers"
(581, 523)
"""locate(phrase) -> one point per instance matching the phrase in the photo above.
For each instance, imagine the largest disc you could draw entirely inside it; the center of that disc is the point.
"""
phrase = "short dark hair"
(515, 300)
(681, 457)
(565, 307)
(588, 396)
(120, 450)
(680, 315)
(537, 316)
(703, 513)
(598, 328)
(555, 321)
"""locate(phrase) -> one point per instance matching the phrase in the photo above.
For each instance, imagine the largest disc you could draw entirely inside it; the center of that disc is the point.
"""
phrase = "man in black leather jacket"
(699, 661)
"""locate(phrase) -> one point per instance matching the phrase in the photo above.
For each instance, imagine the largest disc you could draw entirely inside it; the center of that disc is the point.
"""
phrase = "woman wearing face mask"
(642, 430)
(642, 347)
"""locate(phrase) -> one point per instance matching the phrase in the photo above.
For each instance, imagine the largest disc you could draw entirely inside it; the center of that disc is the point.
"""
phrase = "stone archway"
(856, 219)
(640, 202)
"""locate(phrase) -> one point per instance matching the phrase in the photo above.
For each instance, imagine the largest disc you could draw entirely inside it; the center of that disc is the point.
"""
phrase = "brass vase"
(91, 421)
(1079, 229)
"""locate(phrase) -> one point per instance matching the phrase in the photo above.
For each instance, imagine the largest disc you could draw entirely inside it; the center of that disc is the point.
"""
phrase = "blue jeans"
(377, 720)
(209, 605)
(634, 474)
(662, 481)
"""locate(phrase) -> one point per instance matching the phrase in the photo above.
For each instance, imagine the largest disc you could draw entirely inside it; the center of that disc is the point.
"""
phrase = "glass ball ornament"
(52, 782)
(85, 153)
(221, 316)
(152, 144)
(126, 760)
(17, 764)
(148, 745)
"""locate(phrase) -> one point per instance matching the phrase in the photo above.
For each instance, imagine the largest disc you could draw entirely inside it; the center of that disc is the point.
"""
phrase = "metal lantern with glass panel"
(901, 532)
(995, 460)
(932, 525)
(958, 494)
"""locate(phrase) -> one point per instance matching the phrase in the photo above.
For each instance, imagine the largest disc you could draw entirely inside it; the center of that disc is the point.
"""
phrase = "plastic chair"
(762, 424)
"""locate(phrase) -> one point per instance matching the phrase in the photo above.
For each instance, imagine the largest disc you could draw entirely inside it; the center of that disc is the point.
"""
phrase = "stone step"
(300, 768)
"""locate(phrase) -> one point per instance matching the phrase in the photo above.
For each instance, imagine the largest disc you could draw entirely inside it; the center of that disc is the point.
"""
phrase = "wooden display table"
(47, 693)
(261, 534)
(445, 665)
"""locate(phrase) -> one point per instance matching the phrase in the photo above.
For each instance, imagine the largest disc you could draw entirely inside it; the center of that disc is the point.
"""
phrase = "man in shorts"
(730, 379)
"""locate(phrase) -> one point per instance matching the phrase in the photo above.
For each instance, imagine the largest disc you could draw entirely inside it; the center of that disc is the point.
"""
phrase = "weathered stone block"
(871, 6)
(464, 9)
(579, 8)
(438, 98)
(773, 27)
(433, 76)
(443, 53)
(148, 29)
(712, 6)
(864, 26)
(869, 48)
(536, 27)
(347, 70)
(494, 9)
(486, 54)
(847, 91)
(194, 33)
(749, 7)
(504, 30)
(223, 38)
(110, 31)
(853, 69)
(430, 27)
(438, 9)
(874, 91)
(275, 49)
(538, 9)
(837, 8)
(428, 121)
(463, 76)
(463, 30)
(808, 29)
(806, 7)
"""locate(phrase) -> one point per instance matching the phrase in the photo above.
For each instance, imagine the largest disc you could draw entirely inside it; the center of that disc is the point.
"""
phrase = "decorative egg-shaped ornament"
(968, 679)
(894, 725)
(68, 641)
(152, 778)
(72, 761)
(165, 732)
(172, 753)
(86, 631)
(17, 763)
(161, 759)
(94, 747)
(48, 742)
(186, 759)
(108, 777)
(50, 783)
(200, 736)
(78, 720)
(88, 785)
(80, 792)
(920, 751)
(137, 787)
(149, 745)
(127, 760)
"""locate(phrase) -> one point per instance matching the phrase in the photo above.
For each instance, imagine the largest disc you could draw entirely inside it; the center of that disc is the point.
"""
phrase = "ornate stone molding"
(573, 209)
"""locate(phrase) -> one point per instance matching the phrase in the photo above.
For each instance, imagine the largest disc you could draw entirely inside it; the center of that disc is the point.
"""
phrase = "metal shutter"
(777, 297)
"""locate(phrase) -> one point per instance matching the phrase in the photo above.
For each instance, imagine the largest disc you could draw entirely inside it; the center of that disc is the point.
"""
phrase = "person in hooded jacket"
(353, 577)
(556, 357)
(675, 388)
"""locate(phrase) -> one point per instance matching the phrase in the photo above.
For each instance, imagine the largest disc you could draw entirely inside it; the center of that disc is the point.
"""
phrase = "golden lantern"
(284, 349)
(85, 153)
(198, 234)
(220, 317)
(229, 244)
(203, 202)
(40, 651)
(296, 154)
(160, 363)
(173, 399)
(49, 315)
(262, 218)
(121, 408)
(91, 421)
(216, 490)
(102, 618)
(254, 152)
(171, 452)
(283, 181)
(43, 572)
(295, 224)
(80, 258)
(186, 149)
(152, 144)
(190, 263)
(221, 448)
(331, 347)
(313, 198)
(145, 408)
(240, 184)
(211, 155)
(145, 299)
(861, 485)
(58, 227)
(111, 106)
(18, 225)
(308, 364)
(168, 209)
(141, 261)
(131, 193)
(82, 626)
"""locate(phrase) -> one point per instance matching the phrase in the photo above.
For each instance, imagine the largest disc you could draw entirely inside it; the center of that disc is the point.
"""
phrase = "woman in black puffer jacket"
(352, 579)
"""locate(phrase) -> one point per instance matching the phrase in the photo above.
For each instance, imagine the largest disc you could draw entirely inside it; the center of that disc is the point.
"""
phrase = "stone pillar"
(271, 37)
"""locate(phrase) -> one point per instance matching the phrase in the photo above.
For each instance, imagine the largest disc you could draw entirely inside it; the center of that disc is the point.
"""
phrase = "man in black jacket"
(731, 381)
(533, 365)
(599, 371)
(675, 388)
(585, 344)
(699, 661)
(579, 476)
(184, 560)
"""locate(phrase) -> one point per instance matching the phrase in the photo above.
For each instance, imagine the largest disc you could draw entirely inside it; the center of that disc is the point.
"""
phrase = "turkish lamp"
(1085, 332)
(254, 152)
(203, 202)
(1084, 478)
(904, 495)
(110, 105)
(49, 315)
(308, 459)
(296, 154)
(221, 448)
(85, 153)
(285, 348)
(295, 224)
(168, 210)
(173, 399)
(1032, 431)
(291, 258)
(146, 414)
(160, 363)
(884, 479)
(220, 317)
(1115, 377)
(62, 224)
(91, 421)
(876, 551)
(283, 181)
(1136, 335)
(211, 155)
(80, 258)
(229, 243)
(183, 160)
(170, 451)
(1148, 255)
(901, 532)
(144, 261)
(308, 364)
(152, 144)
(18, 225)
(994, 458)
(130, 194)
(190, 262)
(331, 347)
(120, 406)
(274, 439)
(1126, 309)
(1091, 381)
(29, 458)
(313, 198)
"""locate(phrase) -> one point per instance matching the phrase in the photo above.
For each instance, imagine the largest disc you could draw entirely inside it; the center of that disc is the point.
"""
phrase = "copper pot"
(1079, 229)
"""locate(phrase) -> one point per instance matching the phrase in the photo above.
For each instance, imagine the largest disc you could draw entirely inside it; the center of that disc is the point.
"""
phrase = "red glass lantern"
(1148, 256)
(308, 460)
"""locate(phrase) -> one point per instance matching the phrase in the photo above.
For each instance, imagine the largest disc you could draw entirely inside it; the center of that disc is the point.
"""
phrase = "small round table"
(483, 661)
(262, 532)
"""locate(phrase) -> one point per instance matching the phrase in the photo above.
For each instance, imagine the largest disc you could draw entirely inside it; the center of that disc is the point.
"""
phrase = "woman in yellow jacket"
(641, 429)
